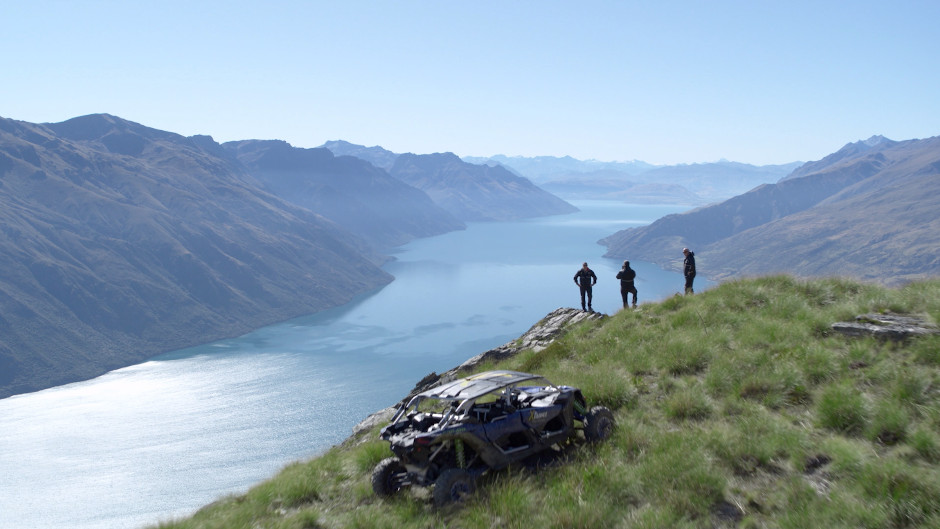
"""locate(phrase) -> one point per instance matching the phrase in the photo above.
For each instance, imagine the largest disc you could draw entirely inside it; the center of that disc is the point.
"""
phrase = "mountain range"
(119, 241)
(638, 182)
(351, 192)
(869, 211)
(472, 192)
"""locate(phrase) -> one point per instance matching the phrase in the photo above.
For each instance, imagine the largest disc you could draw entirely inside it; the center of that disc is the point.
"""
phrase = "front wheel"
(598, 424)
(455, 485)
(388, 476)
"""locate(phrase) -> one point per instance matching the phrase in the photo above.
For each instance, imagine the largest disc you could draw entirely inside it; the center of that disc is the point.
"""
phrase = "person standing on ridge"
(688, 266)
(587, 279)
(626, 275)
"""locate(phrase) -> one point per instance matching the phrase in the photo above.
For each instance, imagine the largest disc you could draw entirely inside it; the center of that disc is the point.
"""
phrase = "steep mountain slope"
(349, 191)
(476, 192)
(871, 211)
(737, 408)
(118, 242)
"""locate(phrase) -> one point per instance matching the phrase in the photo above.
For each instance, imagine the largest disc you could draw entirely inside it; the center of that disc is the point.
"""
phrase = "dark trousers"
(688, 284)
(625, 292)
(590, 294)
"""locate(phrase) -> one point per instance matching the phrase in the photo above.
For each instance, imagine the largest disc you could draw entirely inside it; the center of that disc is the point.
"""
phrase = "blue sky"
(659, 81)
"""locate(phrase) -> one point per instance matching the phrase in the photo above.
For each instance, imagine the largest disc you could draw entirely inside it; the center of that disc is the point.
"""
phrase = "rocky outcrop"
(540, 336)
(537, 338)
(894, 327)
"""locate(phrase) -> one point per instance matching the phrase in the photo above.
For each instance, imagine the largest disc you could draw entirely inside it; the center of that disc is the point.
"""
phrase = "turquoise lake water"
(160, 439)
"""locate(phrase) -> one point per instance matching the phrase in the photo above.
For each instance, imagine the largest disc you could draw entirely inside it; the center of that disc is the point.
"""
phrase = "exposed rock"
(816, 474)
(895, 327)
(373, 420)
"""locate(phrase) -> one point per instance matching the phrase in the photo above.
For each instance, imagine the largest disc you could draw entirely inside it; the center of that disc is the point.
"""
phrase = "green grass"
(737, 407)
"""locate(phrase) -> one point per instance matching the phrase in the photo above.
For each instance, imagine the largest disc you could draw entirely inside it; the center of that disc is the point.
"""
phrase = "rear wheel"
(598, 424)
(455, 485)
(388, 476)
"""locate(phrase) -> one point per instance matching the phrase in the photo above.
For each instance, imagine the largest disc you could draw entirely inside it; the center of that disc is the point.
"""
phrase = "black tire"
(387, 476)
(454, 485)
(598, 424)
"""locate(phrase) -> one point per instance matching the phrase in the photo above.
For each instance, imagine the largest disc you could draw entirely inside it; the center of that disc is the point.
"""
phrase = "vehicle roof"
(477, 385)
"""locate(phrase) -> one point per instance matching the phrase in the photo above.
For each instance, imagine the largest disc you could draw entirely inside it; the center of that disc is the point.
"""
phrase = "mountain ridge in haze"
(350, 191)
(640, 182)
(470, 192)
(870, 211)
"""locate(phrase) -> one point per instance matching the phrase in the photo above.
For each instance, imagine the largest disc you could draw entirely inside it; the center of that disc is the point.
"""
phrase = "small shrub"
(369, 454)
(848, 456)
(610, 390)
(534, 362)
(678, 474)
(926, 443)
(911, 387)
(305, 519)
(819, 364)
(842, 408)
(888, 423)
(688, 404)
(927, 351)
(912, 494)
(684, 356)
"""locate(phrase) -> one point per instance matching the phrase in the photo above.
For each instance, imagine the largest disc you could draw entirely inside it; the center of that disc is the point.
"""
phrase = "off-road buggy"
(449, 435)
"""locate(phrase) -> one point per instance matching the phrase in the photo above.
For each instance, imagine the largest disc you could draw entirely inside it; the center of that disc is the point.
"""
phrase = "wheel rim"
(604, 427)
(459, 491)
(393, 482)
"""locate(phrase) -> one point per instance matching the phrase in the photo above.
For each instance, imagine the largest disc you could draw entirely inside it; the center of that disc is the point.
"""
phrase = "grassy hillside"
(737, 407)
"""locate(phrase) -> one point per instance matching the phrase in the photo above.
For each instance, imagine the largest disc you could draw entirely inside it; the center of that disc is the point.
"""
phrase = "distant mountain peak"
(876, 140)
(865, 145)
(376, 155)
(118, 135)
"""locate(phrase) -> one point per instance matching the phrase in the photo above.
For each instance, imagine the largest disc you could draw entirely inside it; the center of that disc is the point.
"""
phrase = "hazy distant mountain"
(608, 185)
(848, 152)
(377, 156)
(347, 190)
(470, 192)
(119, 241)
(870, 211)
(640, 182)
(718, 180)
(542, 169)
(476, 192)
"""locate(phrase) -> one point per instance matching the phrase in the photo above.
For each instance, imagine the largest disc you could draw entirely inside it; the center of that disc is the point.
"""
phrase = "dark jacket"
(586, 277)
(689, 264)
(626, 277)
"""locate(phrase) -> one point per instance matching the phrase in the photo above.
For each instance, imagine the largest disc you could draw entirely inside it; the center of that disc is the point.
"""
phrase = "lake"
(160, 439)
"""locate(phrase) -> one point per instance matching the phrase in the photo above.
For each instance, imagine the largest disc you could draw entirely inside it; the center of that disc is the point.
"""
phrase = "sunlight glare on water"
(160, 439)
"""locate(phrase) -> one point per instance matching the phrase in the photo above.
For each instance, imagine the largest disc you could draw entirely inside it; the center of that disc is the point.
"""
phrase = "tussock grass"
(737, 407)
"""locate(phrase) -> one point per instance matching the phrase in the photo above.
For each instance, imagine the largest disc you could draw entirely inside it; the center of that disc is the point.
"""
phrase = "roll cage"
(454, 400)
